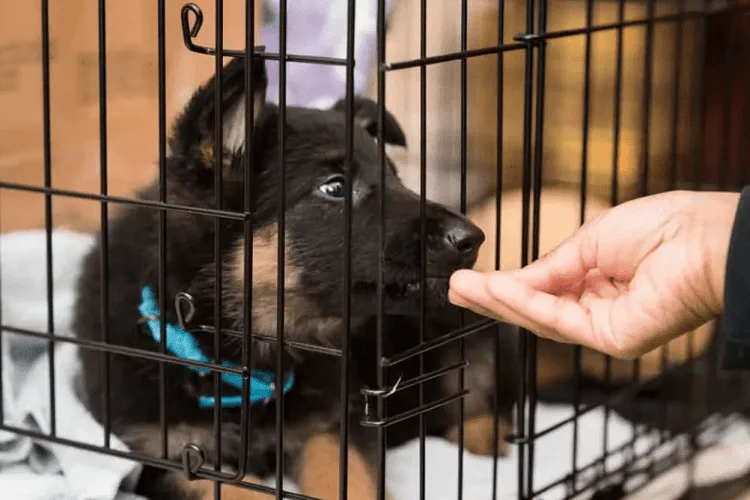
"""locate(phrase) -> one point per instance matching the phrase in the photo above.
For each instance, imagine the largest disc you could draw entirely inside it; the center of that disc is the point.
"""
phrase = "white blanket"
(36, 469)
(32, 469)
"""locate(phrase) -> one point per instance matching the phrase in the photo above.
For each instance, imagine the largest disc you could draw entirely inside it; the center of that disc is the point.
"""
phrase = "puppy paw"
(233, 492)
(318, 474)
(479, 435)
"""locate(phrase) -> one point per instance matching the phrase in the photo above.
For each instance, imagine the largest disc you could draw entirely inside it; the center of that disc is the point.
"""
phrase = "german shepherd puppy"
(314, 298)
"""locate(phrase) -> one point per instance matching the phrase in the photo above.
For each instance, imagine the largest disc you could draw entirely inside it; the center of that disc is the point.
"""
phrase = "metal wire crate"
(703, 396)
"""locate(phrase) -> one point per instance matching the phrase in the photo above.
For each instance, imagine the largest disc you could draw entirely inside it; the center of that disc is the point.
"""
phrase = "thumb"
(510, 300)
(561, 268)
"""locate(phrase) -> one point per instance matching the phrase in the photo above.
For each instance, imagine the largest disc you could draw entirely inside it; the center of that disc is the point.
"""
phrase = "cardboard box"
(132, 99)
(564, 91)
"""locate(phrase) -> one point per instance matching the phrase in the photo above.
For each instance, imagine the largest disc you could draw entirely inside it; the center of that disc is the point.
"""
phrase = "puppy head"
(313, 221)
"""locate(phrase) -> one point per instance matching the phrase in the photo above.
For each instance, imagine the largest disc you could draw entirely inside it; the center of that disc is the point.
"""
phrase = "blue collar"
(183, 345)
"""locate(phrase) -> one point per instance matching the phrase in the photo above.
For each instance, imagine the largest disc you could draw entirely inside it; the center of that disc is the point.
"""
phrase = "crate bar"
(330, 351)
(677, 71)
(721, 184)
(122, 350)
(262, 338)
(104, 234)
(381, 432)
(162, 236)
(537, 192)
(422, 233)
(648, 71)
(726, 110)
(455, 56)
(526, 180)
(698, 103)
(674, 137)
(498, 226)
(421, 379)
(218, 194)
(668, 18)
(614, 196)
(348, 172)
(463, 154)
(431, 344)
(271, 56)
(744, 156)
(573, 491)
(247, 324)
(281, 210)
(577, 361)
(644, 172)
(47, 142)
(662, 465)
(143, 459)
(2, 354)
(121, 200)
(618, 397)
(383, 423)
(294, 58)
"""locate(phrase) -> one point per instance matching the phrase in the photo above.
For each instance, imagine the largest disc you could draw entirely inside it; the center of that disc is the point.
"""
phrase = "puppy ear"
(366, 115)
(195, 128)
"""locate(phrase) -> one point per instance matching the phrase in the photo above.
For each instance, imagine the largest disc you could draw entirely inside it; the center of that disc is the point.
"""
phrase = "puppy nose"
(464, 238)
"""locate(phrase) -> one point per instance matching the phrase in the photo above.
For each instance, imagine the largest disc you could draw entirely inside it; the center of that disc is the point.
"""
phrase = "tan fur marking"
(203, 489)
(265, 260)
(146, 439)
(302, 319)
(207, 152)
(479, 435)
(319, 471)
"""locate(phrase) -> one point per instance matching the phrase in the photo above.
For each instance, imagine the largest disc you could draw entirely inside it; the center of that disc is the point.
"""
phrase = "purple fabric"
(318, 28)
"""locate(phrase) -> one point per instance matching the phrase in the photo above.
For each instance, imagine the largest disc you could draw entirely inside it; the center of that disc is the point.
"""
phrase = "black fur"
(314, 237)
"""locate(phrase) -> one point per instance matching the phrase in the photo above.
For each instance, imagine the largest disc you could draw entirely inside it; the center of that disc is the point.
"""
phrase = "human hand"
(626, 282)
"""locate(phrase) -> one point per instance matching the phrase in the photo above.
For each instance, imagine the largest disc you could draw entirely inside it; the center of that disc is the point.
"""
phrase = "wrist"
(717, 212)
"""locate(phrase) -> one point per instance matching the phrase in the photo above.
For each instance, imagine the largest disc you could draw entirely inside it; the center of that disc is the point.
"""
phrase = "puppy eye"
(333, 187)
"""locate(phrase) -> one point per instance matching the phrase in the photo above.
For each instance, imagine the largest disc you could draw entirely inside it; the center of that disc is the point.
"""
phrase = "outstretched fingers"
(511, 300)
